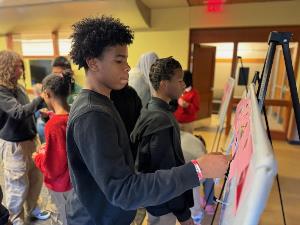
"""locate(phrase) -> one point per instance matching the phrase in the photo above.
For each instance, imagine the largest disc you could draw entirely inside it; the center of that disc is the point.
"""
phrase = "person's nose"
(127, 69)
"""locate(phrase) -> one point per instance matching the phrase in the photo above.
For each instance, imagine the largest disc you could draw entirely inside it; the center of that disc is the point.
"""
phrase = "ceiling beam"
(204, 2)
(188, 2)
(9, 41)
(145, 12)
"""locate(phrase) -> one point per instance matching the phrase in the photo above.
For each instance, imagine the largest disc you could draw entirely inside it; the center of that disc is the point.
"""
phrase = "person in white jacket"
(195, 145)
(139, 76)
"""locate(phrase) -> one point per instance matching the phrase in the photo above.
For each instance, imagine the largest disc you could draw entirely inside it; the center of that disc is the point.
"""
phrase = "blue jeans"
(40, 127)
(209, 191)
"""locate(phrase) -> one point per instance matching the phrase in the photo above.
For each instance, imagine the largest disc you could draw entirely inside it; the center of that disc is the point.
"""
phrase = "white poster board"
(253, 167)
(225, 100)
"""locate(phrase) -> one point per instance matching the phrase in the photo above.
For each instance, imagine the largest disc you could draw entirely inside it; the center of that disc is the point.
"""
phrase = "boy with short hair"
(157, 135)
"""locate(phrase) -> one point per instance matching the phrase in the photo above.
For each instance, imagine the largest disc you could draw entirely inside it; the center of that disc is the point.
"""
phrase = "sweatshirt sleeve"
(39, 161)
(194, 103)
(55, 149)
(159, 145)
(17, 111)
(106, 162)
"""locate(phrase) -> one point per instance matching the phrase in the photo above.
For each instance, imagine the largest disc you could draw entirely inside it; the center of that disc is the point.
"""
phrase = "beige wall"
(253, 14)
(2, 43)
(222, 73)
(79, 75)
(169, 32)
(233, 15)
(164, 43)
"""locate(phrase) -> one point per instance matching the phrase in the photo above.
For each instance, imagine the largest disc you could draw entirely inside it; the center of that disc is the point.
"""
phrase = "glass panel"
(251, 58)
(37, 47)
(277, 117)
(64, 46)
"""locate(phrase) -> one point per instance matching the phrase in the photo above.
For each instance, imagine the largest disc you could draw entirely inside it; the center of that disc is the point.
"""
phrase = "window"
(64, 46)
(37, 47)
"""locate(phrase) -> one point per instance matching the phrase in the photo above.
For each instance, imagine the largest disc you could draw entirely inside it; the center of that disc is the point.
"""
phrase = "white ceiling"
(155, 4)
(45, 16)
(14, 3)
(22, 16)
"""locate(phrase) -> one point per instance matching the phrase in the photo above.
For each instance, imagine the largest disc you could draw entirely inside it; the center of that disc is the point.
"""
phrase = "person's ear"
(47, 94)
(92, 64)
(163, 84)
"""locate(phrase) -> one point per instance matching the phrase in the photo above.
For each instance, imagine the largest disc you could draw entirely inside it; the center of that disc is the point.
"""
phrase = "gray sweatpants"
(168, 219)
(22, 180)
(59, 200)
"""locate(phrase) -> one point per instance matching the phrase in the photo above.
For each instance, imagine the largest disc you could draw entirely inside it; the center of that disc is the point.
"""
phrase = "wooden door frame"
(210, 68)
(242, 34)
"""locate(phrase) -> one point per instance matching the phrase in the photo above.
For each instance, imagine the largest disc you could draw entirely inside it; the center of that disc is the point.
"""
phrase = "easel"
(283, 39)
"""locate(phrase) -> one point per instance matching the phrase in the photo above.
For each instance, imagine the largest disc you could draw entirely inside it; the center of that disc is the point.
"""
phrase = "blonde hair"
(8, 62)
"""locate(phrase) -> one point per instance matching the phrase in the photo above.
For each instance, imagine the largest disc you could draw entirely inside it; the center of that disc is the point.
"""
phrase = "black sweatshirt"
(107, 190)
(129, 106)
(16, 115)
(157, 136)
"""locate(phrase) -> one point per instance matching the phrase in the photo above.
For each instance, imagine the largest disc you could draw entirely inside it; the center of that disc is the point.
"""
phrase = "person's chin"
(120, 86)
(177, 96)
(124, 82)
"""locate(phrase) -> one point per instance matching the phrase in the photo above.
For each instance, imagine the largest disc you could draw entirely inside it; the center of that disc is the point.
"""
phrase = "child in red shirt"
(188, 105)
(51, 158)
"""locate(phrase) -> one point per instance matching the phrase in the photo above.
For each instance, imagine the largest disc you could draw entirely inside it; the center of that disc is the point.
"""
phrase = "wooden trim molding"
(55, 39)
(247, 60)
(240, 34)
(9, 41)
(39, 57)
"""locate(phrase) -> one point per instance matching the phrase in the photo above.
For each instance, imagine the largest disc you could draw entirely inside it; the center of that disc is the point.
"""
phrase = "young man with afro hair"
(107, 191)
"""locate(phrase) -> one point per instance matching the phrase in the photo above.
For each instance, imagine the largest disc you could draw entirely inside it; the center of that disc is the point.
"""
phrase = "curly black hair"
(188, 78)
(60, 86)
(92, 35)
(163, 69)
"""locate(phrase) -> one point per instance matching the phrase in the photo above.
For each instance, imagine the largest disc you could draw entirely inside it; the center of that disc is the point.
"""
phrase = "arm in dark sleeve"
(139, 105)
(159, 144)
(98, 146)
(10, 105)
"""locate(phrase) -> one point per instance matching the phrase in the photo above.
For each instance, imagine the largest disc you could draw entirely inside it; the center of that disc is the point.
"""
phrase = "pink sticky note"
(242, 149)
(241, 133)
